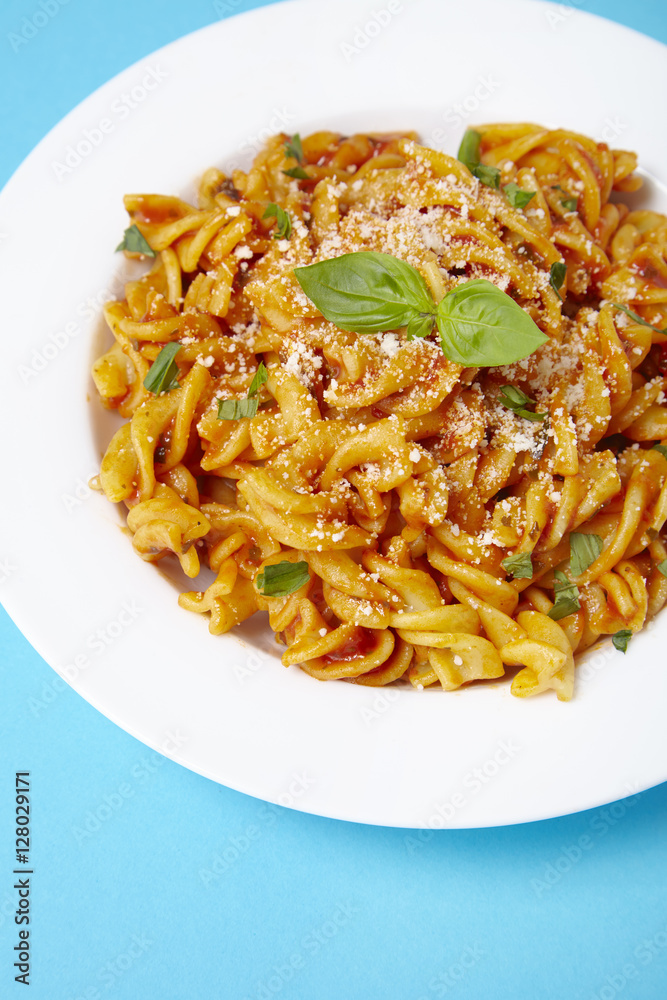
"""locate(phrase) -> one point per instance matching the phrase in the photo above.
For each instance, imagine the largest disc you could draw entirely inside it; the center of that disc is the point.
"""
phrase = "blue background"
(181, 888)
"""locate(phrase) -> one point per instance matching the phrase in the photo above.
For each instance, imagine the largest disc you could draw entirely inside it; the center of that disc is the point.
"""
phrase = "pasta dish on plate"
(410, 405)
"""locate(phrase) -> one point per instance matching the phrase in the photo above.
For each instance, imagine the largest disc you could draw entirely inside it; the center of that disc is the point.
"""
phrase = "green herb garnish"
(283, 578)
(516, 400)
(662, 567)
(283, 229)
(621, 639)
(661, 448)
(297, 172)
(293, 148)
(468, 154)
(134, 241)
(638, 319)
(557, 273)
(569, 204)
(520, 566)
(584, 550)
(566, 597)
(516, 196)
(162, 373)
(370, 292)
(237, 409)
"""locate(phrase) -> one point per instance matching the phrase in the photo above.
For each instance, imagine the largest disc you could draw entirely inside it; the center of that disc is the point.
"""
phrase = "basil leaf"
(420, 325)
(662, 567)
(621, 639)
(283, 229)
(283, 578)
(261, 375)
(481, 325)
(297, 172)
(237, 409)
(468, 154)
(557, 274)
(569, 204)
(520, 566)
(638, 319)
(661, 448)
(134, 241)
(293, 148)
(366, 291)
(487, 175)
(162, 373)
(516, 400)
(566, 597)
(516, 196)
(584, 550)
(469, 148)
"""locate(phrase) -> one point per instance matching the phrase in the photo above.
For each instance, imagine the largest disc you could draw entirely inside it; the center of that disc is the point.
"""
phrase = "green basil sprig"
(298, 172)
(514, 399)
(162, 373)
(516, 196)
(557, 274)
(520, 566)
(468, 154)
(569, 204)
(237, 409)
(370, 292)
(134, 241)
(293, 148)
(283, 229)
(638, 319)
(584, 550)
(662, 567)
(283, 578)
(566, 597)
(621, 639)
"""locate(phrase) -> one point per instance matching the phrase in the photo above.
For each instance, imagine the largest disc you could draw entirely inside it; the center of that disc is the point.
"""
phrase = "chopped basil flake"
(516, 196)
(557, 274)
(283, 578)
(134, 241)
(584, 550)
(520, 566)
(237, 409)
(261, 375)
(566, 597)
(516, 400)
(621, 639)
(162, 373)
(298, 172)
(468, 154)
(662, 567)
(662, 448)
(283, 229)
(569, 204)
(638, 319)
(293, 148)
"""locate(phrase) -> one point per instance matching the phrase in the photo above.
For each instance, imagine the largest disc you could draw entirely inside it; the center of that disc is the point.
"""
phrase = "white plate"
(108, 622)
